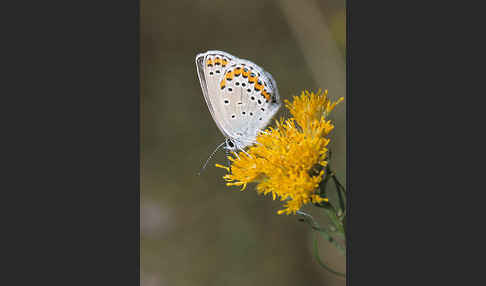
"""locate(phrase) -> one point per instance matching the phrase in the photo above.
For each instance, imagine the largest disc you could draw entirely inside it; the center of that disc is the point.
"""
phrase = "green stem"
(325, 234)
(340, 191)
(323, 231)
(321, 263)
(336, 181)
(340, 195)
(331, 214)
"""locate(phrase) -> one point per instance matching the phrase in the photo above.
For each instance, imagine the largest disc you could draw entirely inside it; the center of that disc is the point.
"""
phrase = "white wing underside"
(240, 108)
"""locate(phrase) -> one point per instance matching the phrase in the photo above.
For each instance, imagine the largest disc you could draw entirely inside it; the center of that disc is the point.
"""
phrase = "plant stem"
(321, 263)
(340, 195)
(323, 231)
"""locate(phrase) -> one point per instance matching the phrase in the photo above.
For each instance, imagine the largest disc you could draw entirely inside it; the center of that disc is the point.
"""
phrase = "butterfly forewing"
(211, 67)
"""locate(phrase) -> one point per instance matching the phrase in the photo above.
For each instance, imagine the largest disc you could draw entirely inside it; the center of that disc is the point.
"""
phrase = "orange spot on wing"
(252, 79)
(223, 83)
(209, 62)
(237, 71)
(229, 75)
(224, 62)
(258, 86)
(265, 93)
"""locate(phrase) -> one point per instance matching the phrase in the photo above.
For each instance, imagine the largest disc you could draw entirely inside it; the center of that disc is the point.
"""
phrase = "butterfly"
(241, 96)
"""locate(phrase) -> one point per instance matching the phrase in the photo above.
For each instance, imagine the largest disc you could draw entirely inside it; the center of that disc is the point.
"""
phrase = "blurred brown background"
(195, 230)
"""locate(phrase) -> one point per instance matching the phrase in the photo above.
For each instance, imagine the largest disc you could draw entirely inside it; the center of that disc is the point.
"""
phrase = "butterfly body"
(241, 96)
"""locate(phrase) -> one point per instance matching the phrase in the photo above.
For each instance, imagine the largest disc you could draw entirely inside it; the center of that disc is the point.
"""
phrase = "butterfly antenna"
(210, 156)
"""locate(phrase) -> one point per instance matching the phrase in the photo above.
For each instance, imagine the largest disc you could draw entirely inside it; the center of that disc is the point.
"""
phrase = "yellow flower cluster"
(285, 161)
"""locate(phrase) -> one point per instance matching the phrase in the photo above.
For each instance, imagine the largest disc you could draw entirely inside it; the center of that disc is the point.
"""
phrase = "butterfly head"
(231, 145)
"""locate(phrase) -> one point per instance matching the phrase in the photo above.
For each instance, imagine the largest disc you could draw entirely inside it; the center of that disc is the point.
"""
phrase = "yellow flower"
(286, 162)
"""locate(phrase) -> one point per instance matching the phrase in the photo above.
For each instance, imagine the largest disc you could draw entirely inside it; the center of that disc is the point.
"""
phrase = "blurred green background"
(194, 229)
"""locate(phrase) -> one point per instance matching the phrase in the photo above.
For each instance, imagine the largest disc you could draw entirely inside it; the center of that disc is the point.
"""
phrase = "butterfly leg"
(246, 153)
(229, 162)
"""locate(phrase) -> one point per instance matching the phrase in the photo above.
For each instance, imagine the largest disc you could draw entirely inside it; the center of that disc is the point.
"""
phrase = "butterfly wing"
(242, 97)
(252, 99)
(211, 67)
